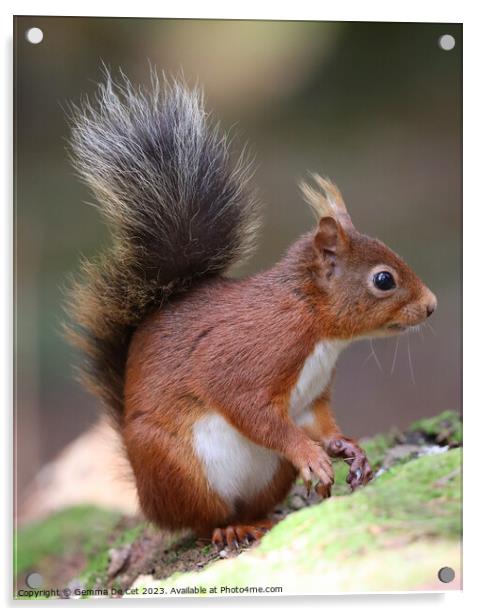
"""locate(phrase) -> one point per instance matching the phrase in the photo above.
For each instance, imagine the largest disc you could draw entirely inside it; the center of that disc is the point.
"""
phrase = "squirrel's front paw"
(314, 464)
(360, 471)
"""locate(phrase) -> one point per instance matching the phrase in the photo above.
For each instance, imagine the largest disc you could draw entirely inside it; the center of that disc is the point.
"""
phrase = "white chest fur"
(235, 467)
(314, 378)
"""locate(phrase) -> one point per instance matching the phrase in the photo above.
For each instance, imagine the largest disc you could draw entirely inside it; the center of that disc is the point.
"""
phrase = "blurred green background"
(375, 106)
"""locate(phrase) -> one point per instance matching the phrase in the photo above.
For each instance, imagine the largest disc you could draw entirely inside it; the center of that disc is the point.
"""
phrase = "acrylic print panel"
(198, 451)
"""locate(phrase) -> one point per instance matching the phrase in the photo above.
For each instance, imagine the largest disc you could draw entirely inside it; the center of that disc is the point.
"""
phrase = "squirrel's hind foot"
(240, 534)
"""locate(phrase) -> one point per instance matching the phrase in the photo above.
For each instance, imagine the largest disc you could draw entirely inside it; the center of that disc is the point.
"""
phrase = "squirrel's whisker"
(369, 356)
(395, 355)
(410, 361)
(420, 333)
(375, 357)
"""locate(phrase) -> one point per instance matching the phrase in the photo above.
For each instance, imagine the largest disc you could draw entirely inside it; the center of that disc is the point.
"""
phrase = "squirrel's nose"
(431, 303)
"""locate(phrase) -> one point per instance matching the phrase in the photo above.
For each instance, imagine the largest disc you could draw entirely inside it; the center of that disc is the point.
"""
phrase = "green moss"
(83, 533)
(414, 508)
(406, 499)
(72, 530)
(95, 572)
(376, 448)
(447, 427)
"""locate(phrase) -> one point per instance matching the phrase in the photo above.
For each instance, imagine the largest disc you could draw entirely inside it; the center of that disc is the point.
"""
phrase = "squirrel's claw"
(235, 535)
(306, 477)
(360, 472)
(324, 479)
(323, 490)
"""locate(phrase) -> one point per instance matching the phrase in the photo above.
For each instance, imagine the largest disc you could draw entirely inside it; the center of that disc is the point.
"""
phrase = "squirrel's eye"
(384, 281)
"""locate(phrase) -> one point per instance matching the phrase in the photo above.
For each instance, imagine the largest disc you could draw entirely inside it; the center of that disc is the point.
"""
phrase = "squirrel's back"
(178, 207)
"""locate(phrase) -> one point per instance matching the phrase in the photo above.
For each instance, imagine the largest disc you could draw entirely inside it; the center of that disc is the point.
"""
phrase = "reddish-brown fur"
(237, 347)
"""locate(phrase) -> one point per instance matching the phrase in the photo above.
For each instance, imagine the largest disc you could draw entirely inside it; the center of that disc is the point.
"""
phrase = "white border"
(353, 10)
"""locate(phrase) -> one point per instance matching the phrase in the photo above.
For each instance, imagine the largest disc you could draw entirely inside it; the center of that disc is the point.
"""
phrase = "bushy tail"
(178, 208)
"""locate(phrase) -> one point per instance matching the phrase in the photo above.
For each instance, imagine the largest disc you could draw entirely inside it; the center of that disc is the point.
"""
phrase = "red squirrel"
(219, 387)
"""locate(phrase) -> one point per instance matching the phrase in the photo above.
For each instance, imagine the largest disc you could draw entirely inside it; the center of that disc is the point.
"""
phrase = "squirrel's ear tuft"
(325, 200)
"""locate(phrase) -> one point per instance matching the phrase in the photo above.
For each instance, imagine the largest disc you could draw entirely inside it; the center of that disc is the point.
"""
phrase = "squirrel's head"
(366, 288)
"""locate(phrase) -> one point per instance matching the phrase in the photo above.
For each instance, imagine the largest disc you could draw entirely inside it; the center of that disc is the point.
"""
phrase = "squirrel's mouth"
(397, 327)
(391, 329)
